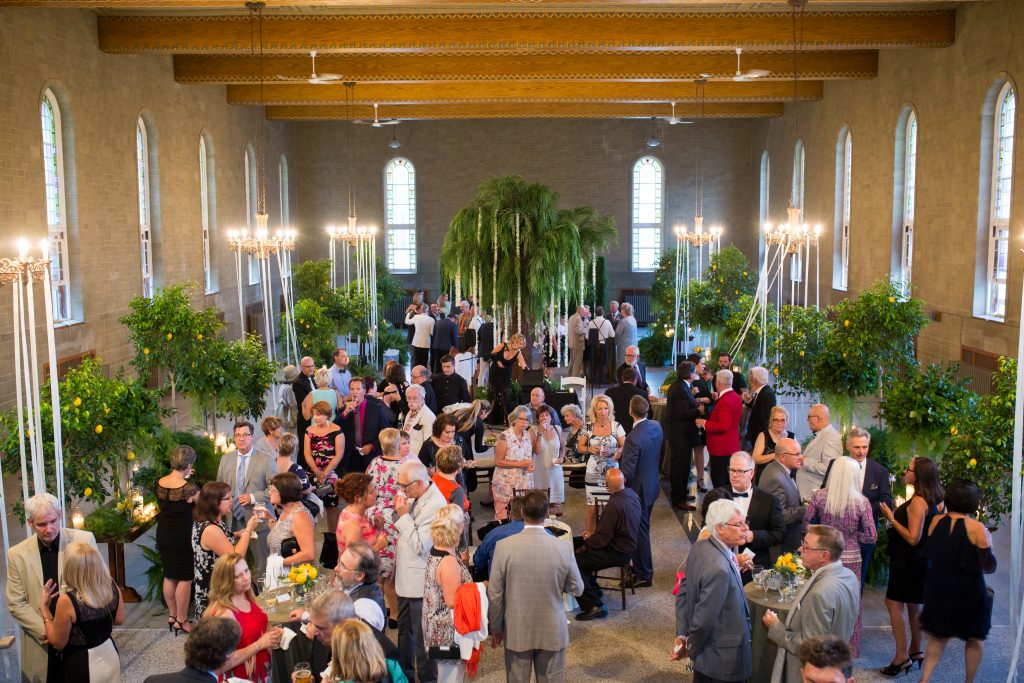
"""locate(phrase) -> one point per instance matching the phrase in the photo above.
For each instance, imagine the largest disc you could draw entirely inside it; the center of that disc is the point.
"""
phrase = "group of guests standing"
(601, 341)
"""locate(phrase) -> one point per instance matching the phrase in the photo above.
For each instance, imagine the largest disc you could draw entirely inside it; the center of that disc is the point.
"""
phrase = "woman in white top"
(549, 454)
(602, 441)
(419, 420)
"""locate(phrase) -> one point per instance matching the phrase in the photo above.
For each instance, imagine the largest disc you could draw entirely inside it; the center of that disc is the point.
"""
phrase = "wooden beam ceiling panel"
(523, 91)
(399, 68)
(450, 5)
(539, 110)
(590, 31)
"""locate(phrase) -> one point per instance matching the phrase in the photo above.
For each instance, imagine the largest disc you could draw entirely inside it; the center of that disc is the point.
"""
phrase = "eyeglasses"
(820, 550)
(910, 470)
(737, 525)
(405, 486)
(791, 455)
(732, 471)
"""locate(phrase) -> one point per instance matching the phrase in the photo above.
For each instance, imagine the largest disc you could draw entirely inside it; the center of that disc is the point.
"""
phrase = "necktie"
(359, 427)
(741, 495)
(239, 486)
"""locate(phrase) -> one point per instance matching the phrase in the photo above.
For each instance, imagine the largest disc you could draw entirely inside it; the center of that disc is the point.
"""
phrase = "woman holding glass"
(602, 441)
(324, 448)
(764, 443)
(513, 461)
(549, 454)
(212, 539)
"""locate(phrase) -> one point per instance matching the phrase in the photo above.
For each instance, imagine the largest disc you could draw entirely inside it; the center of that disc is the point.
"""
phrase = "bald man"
(825, 447)
(776, 480)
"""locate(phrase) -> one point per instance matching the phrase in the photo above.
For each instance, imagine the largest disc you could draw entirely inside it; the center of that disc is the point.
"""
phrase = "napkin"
(235, 679)
(275, 567)
(286, 637)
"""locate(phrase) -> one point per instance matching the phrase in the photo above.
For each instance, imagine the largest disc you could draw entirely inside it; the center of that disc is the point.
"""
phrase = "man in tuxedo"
(208, 649)
(444, 342)
(723, 428)
(576, 340)
(621, 394)
(248, 472)
(361, 422)
(765, 525)
(633, 361)
(874, 484)
(641, 454)
(761, 400)
(777, 480)
(30, 564)
(449, 386)
(682, 433)
(302, 387)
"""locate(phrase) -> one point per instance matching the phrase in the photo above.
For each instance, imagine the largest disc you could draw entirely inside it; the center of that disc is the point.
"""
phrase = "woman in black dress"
(764, 443)
(907, 570)
(211, 538)
(957, 603)
(505, 357)
(175, 496)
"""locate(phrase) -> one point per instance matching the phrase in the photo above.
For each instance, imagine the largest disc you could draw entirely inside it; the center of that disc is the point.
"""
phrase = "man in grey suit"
(248, 472)
(825, 447)
(827, 604)
(712, 619)
(641, 453)
(576, 337)
(529, 573)
(777, 480)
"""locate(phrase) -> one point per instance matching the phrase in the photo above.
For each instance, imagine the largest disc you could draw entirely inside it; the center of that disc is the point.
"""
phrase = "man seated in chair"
(610, 545)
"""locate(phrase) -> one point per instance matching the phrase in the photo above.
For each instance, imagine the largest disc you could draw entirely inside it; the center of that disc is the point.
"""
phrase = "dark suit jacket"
(620, 396)
(876, 489)
(641, 453)
(301, 387)
(377, 417)
(775, 480)
(682, 411)
(764, 517)
(446, 335)
(760, 410)
(485, 340)
(186, 675)
(449, 390)
(429, 397)
(642, 382)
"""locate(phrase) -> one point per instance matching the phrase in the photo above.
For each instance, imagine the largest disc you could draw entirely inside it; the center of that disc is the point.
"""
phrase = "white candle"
(16, 310)
(78, 519)
(39, 477)
(58, 438)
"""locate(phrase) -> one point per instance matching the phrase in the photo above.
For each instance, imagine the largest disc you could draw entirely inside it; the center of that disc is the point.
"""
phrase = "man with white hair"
(722, 429)
(712, 619)
(30, 564)
(760, 399)
(576, 340)
(633, 361)
(416, 506)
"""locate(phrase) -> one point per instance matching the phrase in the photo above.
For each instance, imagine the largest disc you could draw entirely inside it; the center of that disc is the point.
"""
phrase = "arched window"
(905, 191)
(841, 243)
(250, 209)
(796, 200)
(145, 207)
(400, 215)
(998, 224)
(56, 206)
(208, 210)
(764, 208)
(648, 213)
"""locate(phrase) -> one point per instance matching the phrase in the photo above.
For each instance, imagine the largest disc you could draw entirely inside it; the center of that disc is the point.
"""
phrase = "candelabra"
(261, 245)
(359, 254)
(796, 239)
(22, 272)
(699, 239)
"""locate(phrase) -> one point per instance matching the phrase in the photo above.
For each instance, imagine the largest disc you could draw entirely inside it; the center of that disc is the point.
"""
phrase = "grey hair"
(335, 605)
(415, 471)
(744, 456)
(626, 308)
(41, 504)
(516, 412)
(573, 409)
(182, 457)
(416, 389)
(759, 374)
(856, 432)
(724, 377)
(719, 514)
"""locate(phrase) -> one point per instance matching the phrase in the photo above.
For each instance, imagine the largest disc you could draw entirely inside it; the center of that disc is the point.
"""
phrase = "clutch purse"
(289, 547)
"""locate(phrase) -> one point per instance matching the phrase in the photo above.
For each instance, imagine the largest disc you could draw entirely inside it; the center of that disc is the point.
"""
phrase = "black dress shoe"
(691, 497)
(685, 506)
(642, 583)
(592, 613)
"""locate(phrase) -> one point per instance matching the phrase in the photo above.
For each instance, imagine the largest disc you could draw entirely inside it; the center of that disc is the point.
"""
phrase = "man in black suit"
(777, 479)
(682, 433)
(361, 422)
(302, 387)
(761, 510)
(725, 363)
(208, 649)
(633, 361)
(621, 395)
(640, 455)
(761, 401)
(421, 376)
(484, 347)
(875, 485)
(449, 387)
(357, 571)
(444, 342)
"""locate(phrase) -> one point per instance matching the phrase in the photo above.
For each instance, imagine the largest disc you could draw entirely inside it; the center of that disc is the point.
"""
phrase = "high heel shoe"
(918, 658)
(171, 621)
(894, 670)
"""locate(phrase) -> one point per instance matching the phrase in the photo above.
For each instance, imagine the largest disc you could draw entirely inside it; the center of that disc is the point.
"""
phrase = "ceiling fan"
(377, 121)
(314, 78)
(742, 76)
(674, 120)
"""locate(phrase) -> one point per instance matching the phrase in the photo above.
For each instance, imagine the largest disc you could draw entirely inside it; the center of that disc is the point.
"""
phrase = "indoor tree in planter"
(921, 407)
(713, 300)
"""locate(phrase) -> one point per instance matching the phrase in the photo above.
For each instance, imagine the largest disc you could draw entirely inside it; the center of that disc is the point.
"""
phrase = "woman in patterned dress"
(843, 507)
(324, 447)
(445, 574)
(211, 538)
(601, 440)
(354, 524)
(383, 470)
(513, 460)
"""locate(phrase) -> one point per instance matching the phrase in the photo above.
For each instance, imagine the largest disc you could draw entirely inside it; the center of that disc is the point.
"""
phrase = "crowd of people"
(389, 467)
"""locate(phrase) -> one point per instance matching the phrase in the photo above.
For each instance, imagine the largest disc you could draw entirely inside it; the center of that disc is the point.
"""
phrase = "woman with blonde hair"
(231, 597)
(470, 428)
(504, 358)
(842, 506)
(356, 656)
(83, 618)
(764, 443)
(444, 576)
(323, 392)
(601, 439)
(383, 470)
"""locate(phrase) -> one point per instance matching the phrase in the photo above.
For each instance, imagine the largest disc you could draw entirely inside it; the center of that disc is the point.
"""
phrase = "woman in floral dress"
(324, 447)
(843, 507)
(513, 460)
(601, 439)
(384, 471)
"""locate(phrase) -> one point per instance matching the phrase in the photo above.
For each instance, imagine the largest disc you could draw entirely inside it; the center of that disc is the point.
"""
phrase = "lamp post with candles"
(358, 256)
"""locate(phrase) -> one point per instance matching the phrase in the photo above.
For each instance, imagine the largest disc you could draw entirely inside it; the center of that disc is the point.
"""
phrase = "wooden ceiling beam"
(558, 32)
(441, 5)
(399, 68)
(537, 110)
(523, 91)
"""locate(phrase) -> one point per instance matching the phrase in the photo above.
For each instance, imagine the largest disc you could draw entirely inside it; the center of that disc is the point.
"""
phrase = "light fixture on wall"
(653, 140)
(394, 144)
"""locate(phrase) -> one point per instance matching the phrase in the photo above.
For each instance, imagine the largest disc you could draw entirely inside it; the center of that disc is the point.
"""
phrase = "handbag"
(289, 547)
(444, 652)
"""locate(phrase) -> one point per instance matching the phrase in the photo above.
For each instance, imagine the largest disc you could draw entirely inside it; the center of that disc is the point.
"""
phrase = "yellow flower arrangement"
(302, 575)
(789, 565)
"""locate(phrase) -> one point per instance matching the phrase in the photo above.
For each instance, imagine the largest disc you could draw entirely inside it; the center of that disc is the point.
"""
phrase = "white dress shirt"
(742, 501)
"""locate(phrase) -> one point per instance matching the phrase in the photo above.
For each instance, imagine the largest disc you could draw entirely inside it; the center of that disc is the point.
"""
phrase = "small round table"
(762, 649)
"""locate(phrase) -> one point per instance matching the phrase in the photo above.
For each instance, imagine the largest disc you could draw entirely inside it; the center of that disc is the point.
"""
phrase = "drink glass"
(757, 573)
(303, 673)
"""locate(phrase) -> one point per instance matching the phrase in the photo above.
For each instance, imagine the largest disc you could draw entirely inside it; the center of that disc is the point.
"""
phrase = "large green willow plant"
(553, 254)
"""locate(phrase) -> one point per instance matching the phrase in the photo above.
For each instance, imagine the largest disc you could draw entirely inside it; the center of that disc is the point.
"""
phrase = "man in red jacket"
(723, 428)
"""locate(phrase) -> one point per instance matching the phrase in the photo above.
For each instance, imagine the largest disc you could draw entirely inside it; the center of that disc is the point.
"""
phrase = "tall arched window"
(145, 207)
(796, 200)
(208, 210)
(764, 207)
(648, 213)
(250, 208)
(999, 202)
(841, 243)
(400, 215)
(56, 206)
(905, 192)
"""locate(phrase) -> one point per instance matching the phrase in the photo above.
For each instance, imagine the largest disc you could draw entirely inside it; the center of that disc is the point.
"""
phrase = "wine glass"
(757, 573)
(773, 582)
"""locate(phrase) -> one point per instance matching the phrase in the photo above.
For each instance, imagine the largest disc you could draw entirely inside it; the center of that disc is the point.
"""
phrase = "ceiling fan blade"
(330, 77)
(386, 122)
(756, 73)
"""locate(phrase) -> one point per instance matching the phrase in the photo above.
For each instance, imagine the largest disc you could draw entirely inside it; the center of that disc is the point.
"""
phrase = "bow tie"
(740, 495)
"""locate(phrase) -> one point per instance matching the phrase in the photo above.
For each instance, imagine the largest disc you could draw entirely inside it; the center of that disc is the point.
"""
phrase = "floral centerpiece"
(790, 566)
(302, 577)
